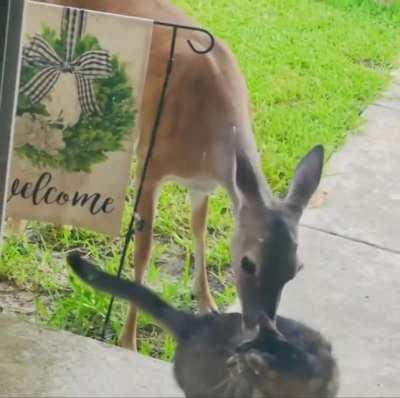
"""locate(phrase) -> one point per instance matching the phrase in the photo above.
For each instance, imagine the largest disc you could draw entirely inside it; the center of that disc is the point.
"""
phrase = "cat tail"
(178, 322)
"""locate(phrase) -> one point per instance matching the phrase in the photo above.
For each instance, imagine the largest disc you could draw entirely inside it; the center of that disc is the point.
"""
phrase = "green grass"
(311, 67)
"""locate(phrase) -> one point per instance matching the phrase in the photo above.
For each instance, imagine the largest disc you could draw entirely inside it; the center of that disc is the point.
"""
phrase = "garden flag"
(81, 84)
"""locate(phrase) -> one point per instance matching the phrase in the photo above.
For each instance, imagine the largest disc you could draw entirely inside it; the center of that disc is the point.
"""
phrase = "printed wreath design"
(79, 146)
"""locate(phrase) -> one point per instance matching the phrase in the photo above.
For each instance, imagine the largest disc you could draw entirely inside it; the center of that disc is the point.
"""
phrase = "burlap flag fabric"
(81, 86)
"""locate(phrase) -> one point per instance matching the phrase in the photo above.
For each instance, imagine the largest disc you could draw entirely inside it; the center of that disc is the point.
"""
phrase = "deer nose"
(250, 321)
(272, 301)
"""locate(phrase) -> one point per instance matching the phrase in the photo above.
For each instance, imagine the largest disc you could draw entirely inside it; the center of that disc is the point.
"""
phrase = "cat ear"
(259, 363)
(266, 324)
(232, 361)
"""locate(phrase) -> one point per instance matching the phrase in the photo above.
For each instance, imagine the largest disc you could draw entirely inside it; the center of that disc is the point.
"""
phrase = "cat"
(217, 357)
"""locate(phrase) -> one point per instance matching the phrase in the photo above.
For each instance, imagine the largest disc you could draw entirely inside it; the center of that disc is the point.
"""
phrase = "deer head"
(264, 246)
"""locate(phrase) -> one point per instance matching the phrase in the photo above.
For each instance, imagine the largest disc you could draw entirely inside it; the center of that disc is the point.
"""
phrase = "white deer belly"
(201, 184)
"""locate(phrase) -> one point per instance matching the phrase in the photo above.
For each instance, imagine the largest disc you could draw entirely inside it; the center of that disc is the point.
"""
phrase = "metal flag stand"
(136, 223)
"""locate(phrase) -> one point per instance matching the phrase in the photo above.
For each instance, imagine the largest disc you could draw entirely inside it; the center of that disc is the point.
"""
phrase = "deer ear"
(246, 177)
(306, 179)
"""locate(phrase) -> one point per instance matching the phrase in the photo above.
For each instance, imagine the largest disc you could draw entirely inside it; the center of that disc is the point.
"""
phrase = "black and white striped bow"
(85, 68)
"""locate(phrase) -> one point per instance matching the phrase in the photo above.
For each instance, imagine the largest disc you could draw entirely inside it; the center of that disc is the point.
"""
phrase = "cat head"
(278, 368)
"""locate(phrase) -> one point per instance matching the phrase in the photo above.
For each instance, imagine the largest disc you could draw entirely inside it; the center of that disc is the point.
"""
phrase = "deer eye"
(248, 266)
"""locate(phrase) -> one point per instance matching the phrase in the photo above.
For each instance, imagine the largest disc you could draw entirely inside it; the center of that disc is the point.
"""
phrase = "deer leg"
(201, 289)
(143, 242)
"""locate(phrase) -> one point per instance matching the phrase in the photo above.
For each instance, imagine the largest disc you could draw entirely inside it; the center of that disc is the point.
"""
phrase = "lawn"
(311, 67)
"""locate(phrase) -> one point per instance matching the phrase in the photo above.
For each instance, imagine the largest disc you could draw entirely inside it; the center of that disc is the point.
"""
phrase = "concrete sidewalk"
(350, 288)
(36, 363)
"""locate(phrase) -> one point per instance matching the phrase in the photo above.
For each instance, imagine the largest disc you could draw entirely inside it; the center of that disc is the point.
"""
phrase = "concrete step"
(36, 362)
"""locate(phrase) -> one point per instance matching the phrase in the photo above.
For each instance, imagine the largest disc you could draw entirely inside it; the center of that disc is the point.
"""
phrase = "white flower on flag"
(38, 133)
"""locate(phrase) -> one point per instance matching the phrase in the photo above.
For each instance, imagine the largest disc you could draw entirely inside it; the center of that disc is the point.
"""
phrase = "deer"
(206, 140)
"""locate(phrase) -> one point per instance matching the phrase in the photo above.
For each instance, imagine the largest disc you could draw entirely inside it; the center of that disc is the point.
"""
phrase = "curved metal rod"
(192, 28)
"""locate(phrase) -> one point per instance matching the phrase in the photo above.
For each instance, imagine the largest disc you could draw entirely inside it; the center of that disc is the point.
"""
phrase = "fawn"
(206, 140)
